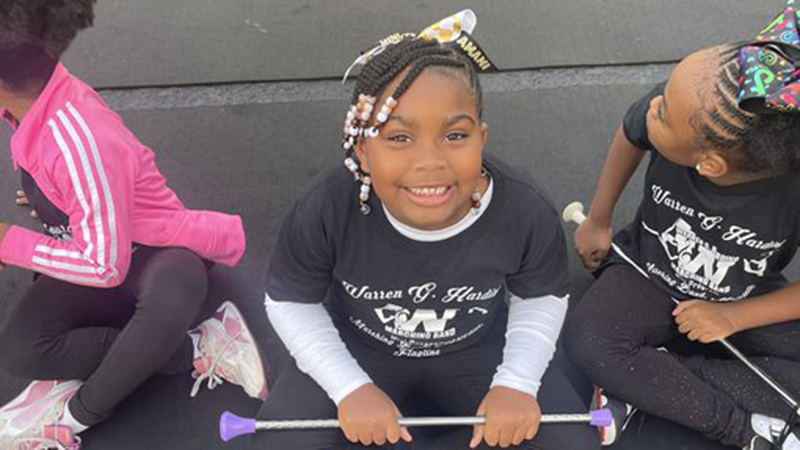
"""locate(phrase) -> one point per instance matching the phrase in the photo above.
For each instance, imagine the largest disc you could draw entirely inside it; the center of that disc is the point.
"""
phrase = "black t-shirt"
(410, 298)
(697, 239)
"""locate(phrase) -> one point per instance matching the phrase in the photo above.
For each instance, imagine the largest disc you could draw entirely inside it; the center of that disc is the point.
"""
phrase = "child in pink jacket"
(121, 265)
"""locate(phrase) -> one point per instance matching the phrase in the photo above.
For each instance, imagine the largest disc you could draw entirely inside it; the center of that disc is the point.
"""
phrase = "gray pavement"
(180, 42)
(241, 102)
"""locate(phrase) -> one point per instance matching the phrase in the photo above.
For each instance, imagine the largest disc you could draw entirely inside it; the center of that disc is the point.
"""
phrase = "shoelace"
(214, 380)
(780, 434)
(44, 443)
(39, 443)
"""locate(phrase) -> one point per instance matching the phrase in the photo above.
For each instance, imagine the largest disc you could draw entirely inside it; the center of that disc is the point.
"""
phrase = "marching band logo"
(403, 321)
(694, 259)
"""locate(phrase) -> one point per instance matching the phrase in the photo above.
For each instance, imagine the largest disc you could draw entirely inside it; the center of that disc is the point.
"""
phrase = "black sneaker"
(621, 414)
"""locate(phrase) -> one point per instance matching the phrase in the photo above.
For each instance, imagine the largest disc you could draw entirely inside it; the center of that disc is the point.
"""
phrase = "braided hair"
(422, 53)
(34, 34)
(416, 55)
(762, 143)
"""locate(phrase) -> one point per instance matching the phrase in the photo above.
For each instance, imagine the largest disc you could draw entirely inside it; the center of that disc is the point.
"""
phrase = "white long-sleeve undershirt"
(531, 334)
(533, 328)
(308, 333)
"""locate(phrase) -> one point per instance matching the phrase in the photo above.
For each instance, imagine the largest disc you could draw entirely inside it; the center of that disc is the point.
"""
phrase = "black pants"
(613, 336)
(114, 339)
(454, 384)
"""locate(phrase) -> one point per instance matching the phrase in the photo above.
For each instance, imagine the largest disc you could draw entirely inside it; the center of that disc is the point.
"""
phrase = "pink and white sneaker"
(225, 350)
(31, 421)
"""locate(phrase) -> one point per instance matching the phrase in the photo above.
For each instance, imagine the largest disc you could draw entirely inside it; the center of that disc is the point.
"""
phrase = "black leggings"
(114, 339)
(453, 384)
(613, 336)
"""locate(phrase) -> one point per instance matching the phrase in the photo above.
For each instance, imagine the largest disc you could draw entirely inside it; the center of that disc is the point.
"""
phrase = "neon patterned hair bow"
(454, 31)
(768, 67)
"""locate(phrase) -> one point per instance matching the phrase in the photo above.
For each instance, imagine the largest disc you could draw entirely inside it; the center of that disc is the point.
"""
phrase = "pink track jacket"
(91, 167)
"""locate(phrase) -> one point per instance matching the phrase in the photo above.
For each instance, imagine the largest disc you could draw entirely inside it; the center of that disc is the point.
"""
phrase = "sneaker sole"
(255, 388)
(26, 409)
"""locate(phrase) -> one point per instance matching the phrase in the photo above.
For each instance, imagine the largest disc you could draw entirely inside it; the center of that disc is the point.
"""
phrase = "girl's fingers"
(532, 431)
(519, 435)
(693, 335)
(21, 199)
(393, 434)
(350, 434)
(686, 327)
(682, 306)
(405, 435)
(477, 436)
(491, 433)
(379, 437)
(505, 437)
(365, 438)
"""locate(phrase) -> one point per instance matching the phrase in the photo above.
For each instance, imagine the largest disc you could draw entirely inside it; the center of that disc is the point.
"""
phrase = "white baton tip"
(573, 213)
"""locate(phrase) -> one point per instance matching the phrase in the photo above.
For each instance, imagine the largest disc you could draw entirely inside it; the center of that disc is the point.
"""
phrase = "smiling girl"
(439, 235)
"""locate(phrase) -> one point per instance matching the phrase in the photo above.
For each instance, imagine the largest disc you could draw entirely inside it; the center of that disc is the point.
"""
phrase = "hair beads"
(364, 118)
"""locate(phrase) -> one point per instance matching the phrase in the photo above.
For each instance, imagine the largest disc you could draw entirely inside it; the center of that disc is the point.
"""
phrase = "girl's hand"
(22, 200)
(705, 321)
(370, 417)
(512, 416)
(592, 242)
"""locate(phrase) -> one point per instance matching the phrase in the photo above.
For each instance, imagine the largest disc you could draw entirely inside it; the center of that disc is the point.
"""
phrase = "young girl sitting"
(394, 285)
(121, 265)
(718, 223)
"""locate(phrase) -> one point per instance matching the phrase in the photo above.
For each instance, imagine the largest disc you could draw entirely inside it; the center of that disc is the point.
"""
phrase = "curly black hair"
(35, 33)
(761, 143)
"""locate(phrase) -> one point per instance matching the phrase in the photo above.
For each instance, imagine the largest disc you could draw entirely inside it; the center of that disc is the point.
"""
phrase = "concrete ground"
(242, 102)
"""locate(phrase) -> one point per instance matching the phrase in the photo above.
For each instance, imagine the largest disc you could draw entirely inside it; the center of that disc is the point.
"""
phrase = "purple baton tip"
(231, 425)
(600, 418)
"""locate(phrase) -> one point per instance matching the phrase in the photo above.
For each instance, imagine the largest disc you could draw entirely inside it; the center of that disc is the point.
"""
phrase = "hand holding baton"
(231, 425)
(574, 213)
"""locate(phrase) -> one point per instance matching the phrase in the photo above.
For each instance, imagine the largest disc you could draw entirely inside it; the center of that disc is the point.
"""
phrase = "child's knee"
(178, 275)
(580, 337)
(591, 343)
(20, 355)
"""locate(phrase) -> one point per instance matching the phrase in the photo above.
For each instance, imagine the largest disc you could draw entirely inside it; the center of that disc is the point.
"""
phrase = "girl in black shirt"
(719, 221)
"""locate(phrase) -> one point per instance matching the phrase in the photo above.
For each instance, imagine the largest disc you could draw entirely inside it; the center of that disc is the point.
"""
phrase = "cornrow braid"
(731, 52)
(753, 143)
(731, 108)
(729, 127)
(392, 61)
(377, 74)
(715, 138)
(402, 63)
(724, 125)
(423, 64)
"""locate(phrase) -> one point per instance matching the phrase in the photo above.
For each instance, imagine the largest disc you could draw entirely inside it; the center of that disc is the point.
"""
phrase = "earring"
(476, 196)
(363, 196)
(476, 202)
